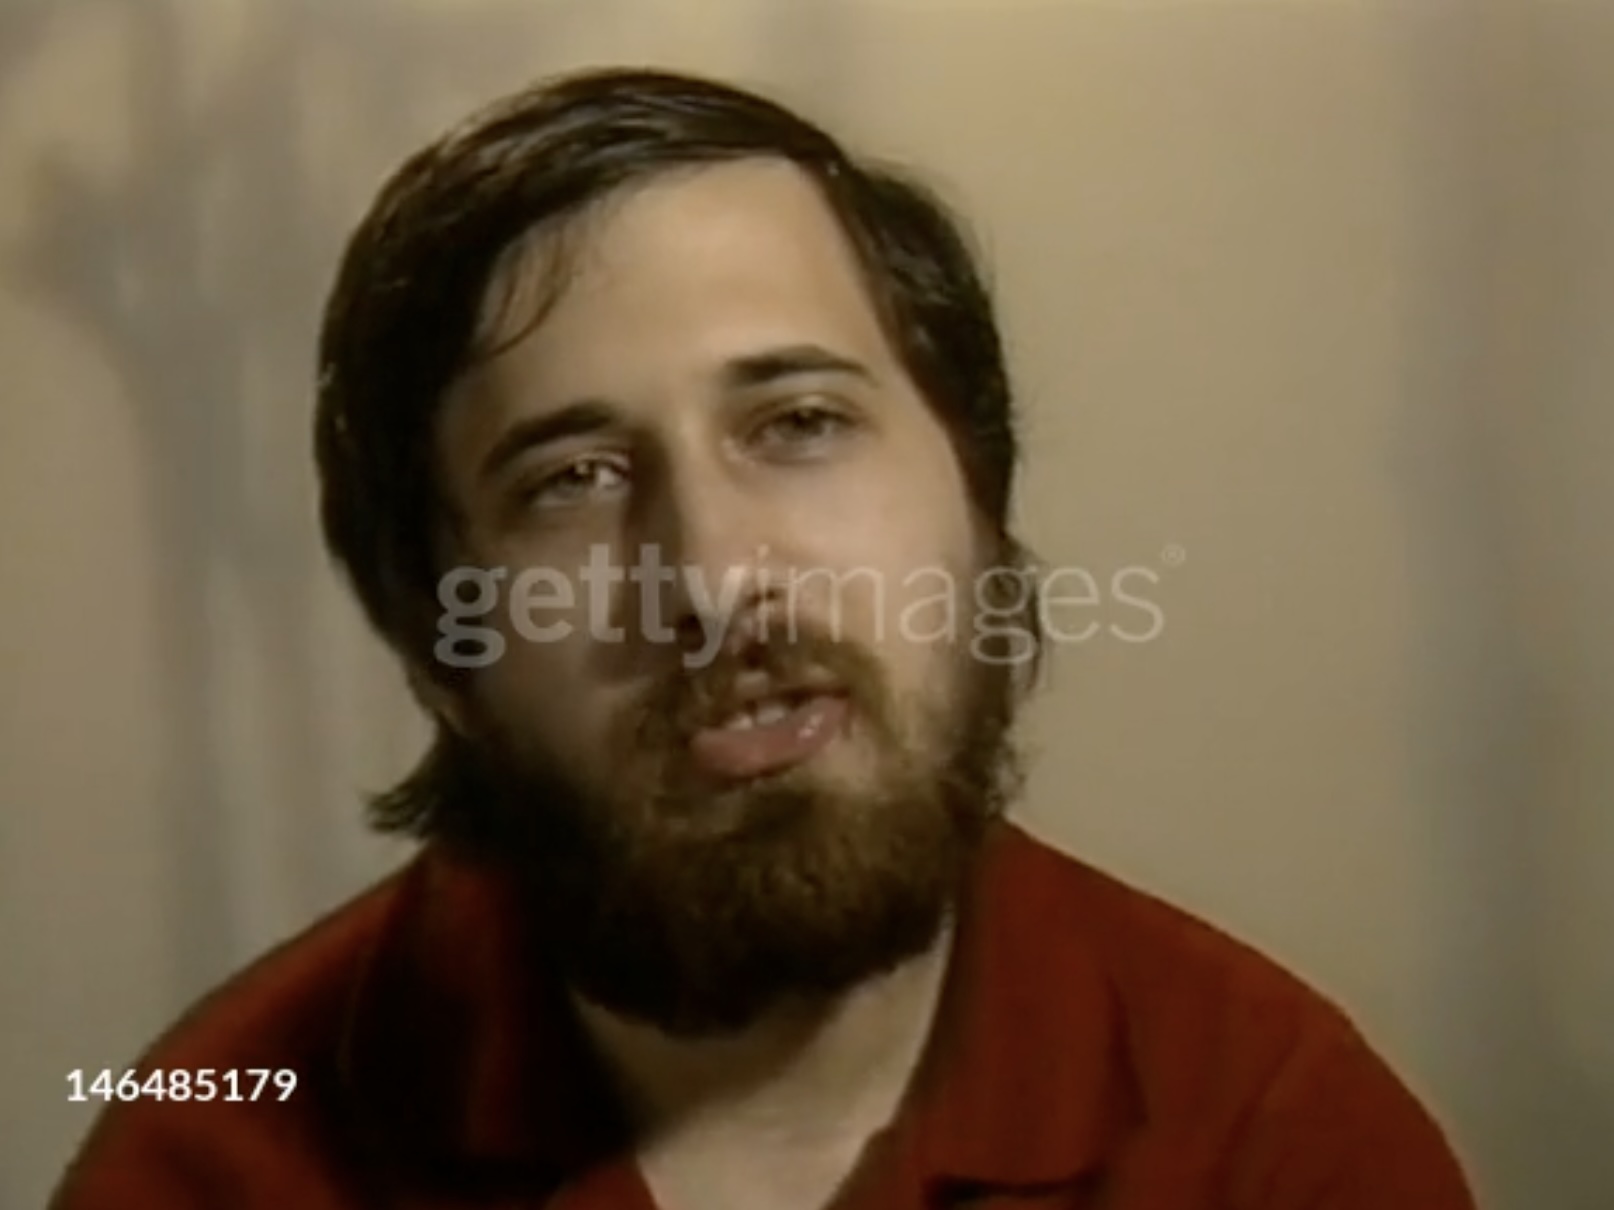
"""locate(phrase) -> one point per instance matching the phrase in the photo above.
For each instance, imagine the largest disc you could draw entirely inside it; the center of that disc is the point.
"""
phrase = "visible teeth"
(758, 714)
(772, 712)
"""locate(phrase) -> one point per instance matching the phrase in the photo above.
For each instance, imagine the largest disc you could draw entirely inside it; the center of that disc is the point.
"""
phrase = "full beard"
(698, 907)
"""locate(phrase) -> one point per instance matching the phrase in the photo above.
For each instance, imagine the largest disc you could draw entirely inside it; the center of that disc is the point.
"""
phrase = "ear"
(442, 701)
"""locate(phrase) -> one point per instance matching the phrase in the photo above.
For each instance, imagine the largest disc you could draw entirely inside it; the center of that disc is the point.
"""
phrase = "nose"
(713, 536)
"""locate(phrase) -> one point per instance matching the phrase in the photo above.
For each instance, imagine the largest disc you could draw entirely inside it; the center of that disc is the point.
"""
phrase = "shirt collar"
(463, 1058)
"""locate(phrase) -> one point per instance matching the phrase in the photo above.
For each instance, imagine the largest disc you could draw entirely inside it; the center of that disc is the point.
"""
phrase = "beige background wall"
(1311, 303)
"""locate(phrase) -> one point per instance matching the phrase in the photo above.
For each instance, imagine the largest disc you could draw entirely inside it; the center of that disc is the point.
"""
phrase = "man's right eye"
(578, 482)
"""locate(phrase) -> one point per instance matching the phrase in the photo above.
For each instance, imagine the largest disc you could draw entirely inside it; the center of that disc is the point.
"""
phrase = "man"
(718, 907)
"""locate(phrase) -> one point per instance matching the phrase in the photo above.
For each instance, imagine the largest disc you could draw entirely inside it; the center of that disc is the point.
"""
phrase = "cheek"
(902, 591)
(921, 561)
(538, 695)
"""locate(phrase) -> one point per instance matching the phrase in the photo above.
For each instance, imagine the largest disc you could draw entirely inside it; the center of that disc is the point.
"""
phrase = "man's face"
(740, 741)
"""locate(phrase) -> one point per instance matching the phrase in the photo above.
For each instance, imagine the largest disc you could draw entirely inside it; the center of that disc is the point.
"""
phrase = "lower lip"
(735, 753)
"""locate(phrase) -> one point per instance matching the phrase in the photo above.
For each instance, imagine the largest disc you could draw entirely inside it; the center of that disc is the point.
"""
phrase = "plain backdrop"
(1310, 304)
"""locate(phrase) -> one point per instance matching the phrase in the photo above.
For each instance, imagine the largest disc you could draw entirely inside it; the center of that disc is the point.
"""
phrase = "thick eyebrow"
(761, 369)
(575, 420)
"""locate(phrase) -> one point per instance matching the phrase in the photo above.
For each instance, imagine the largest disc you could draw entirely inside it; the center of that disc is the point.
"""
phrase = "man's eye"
(574, 483)
(806, 425)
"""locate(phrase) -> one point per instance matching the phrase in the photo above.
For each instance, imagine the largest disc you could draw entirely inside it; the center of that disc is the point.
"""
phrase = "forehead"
(677, 277)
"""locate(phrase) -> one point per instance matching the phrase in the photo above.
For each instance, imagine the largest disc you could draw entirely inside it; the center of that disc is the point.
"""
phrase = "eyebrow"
(588, 416)
(761, 369)
(574, 420)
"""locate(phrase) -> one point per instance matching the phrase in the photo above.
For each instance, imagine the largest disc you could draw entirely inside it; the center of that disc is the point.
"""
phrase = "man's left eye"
(806, 424)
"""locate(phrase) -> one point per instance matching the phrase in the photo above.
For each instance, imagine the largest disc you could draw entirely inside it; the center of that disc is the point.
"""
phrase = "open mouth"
(768, 711)
(771, 733)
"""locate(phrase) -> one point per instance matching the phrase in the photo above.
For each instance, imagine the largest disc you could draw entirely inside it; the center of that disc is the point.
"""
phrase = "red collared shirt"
(1096, 1050)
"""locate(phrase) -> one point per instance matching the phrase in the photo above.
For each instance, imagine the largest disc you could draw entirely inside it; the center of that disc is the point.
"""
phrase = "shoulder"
(1223, 1044)
(289, 1002)
(1165, 963)
(216, 1102)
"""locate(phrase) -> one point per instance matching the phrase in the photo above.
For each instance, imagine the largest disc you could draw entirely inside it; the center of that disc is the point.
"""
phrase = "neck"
(803, 1067)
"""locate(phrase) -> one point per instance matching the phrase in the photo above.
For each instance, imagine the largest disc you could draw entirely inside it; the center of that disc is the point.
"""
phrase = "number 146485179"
(180, 1084)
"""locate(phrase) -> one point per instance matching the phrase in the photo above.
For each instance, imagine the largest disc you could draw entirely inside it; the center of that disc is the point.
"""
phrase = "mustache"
(684, 700)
